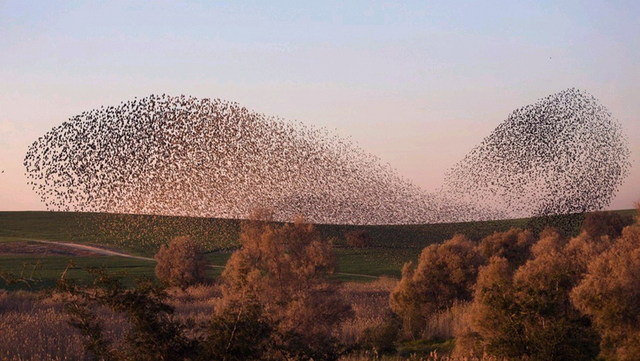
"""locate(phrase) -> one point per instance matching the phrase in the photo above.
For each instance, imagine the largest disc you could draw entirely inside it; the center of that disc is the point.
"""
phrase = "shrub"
(152, 332)
(610, 294)
(239, 333)
(284, 268)
(445, 273)
(492, 328)
(381, 338)
(181, 263)
(514, 245)
(527, 313)
(598, 224)
(357, 238)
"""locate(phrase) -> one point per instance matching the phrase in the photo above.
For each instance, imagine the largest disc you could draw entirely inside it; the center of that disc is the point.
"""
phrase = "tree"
(445, 273)
(492, 328)
(240, 333)
(514, 245)
(610, 295)
(357, 238)
(527, 313)
(598, 224)
(284, 268)
(552, 327)
(181, 263)
(152, 333)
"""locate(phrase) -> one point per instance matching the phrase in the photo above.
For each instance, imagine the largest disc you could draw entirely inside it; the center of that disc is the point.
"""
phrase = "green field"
(389, 245)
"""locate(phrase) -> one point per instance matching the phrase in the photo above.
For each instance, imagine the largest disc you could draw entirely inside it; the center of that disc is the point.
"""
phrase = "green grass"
(374, 261)
(143, 234)
(390, 245)
(426, 347)
(43, 272)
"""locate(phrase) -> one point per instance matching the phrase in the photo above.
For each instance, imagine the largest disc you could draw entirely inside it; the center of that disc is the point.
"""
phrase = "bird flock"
(184, 156)
(564, 154)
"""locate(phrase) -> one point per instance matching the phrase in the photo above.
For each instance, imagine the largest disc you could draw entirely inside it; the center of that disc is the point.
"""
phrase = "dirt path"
(107, 252)
(97, 250)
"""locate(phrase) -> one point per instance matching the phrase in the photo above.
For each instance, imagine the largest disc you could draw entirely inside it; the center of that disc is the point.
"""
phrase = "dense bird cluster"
(564, 154)
(183, 156)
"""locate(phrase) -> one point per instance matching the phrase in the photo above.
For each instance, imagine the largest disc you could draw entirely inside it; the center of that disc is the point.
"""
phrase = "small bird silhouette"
(184, 156)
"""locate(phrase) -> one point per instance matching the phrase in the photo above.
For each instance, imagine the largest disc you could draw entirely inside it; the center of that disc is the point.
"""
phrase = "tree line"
(516, 295)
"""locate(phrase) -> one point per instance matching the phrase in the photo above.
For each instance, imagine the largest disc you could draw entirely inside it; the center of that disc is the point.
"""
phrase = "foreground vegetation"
(511, 295)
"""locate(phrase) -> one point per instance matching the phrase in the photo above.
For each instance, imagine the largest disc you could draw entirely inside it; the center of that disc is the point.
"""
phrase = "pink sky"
(417, 85)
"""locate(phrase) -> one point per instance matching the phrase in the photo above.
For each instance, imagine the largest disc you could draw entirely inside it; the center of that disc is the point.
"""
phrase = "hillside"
(142, 234)
(389, 246)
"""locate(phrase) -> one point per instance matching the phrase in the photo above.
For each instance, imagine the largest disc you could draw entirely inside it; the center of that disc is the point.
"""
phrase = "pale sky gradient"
(417, 84)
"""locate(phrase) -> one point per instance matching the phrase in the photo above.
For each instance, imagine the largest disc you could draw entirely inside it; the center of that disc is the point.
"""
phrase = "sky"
(417, 83)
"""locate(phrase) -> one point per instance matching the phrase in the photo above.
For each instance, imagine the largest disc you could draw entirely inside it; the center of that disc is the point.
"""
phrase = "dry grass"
(34, 330)
(432, 357)
(33, 327)
(195, 302)
(370, 303)
(448, 323)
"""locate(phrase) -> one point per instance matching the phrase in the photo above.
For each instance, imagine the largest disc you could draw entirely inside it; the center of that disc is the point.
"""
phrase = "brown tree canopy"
(526, 312)
(445, 273)
(181, 263)
(610, 295)
(284, 268)
(357, 238)
(514, 245)
(598, 224)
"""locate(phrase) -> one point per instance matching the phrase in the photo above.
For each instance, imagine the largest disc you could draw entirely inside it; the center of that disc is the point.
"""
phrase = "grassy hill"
(389, 245)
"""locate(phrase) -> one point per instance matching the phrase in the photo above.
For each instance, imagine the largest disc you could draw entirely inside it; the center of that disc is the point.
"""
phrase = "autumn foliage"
(357, 238)
(445, 273)
(283, 270)
(513, 295)
(526, 313)
(610, 295)
(181, 263)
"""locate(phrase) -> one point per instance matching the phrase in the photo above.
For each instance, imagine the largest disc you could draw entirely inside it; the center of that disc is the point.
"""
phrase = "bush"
(491, 328)
(152, 333)
(527, 313)
(513, 245)
(284, 268)
(610, 295)
(357, 238)
(598, 224)
(181, 263)
(382, 337)
(239, 333)
(445, 273)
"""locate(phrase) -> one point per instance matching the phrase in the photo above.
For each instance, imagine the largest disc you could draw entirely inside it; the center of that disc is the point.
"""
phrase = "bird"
(185, 156)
